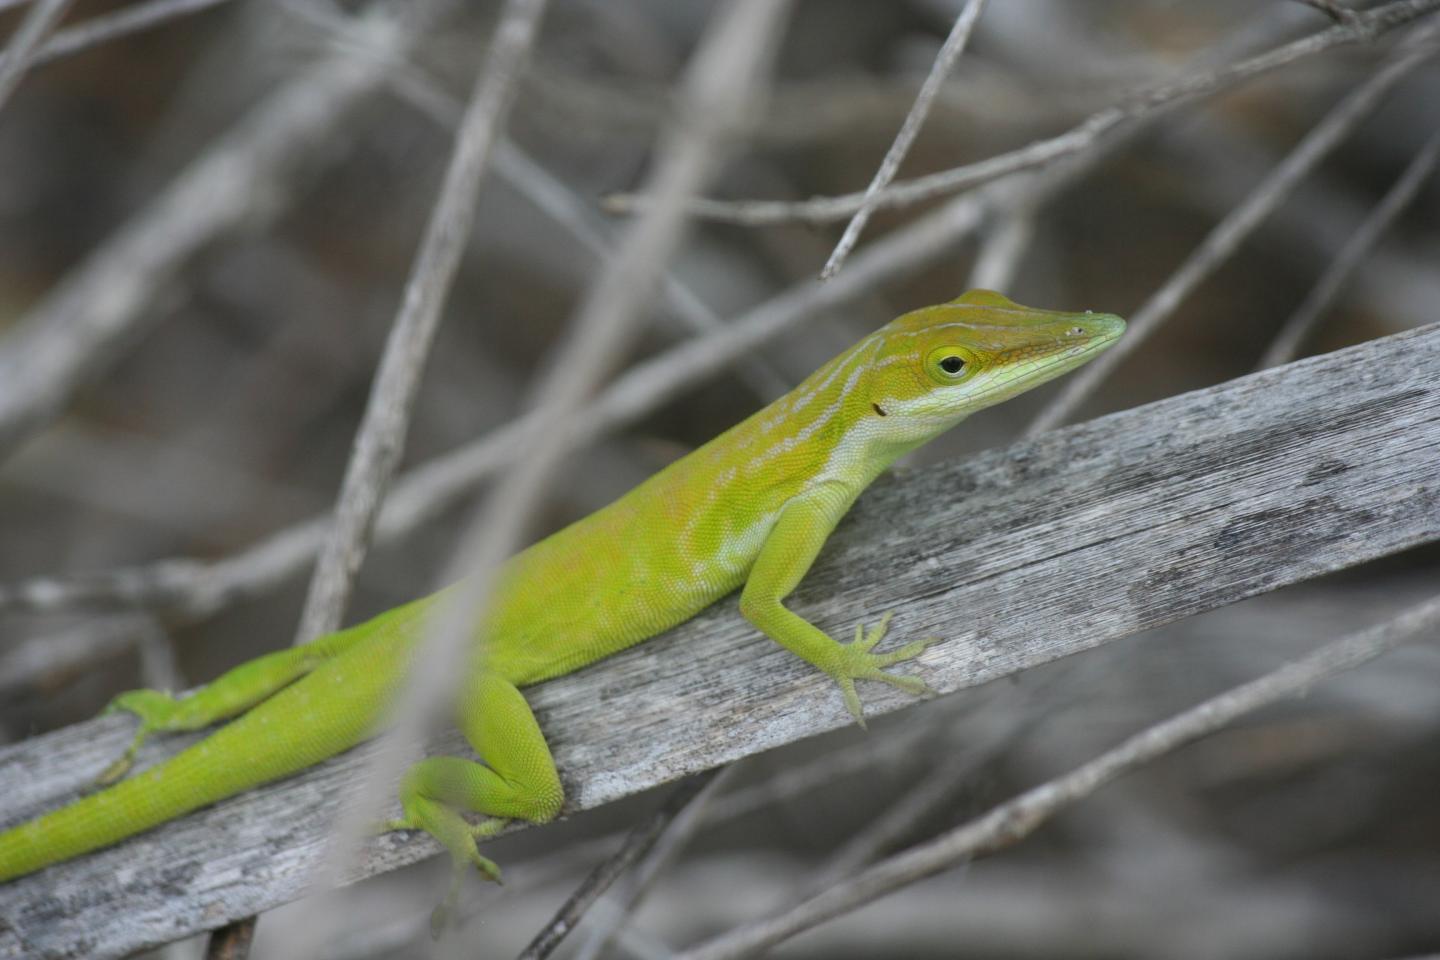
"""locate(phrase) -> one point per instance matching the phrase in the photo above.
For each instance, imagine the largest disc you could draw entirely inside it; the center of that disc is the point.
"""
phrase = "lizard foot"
(154, 708)
(444, 914)
(858, 662)
(460, 838)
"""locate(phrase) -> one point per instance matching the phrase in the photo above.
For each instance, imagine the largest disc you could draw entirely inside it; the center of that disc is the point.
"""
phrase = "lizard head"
(937, 365)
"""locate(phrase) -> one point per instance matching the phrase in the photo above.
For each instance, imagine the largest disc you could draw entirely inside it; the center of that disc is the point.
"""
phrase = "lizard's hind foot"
(445, 913)
(155, 710)
(459, 837)
(228, 696)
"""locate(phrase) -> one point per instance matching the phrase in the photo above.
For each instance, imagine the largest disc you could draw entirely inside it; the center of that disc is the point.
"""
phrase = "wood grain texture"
(1016, 557)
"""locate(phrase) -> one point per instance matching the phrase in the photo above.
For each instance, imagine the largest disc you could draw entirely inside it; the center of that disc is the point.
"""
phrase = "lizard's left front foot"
(857, 662)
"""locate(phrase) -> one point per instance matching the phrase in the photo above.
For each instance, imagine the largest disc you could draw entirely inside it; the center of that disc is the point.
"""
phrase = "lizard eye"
(949, 365)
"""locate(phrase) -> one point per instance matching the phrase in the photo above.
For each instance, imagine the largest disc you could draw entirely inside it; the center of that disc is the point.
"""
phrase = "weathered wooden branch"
(1016, 556)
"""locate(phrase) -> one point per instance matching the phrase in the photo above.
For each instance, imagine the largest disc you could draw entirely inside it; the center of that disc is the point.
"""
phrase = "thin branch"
(1002, 250)
(909, 129)
(1322, 296)
(1083, 136)
(1238, 224)
(159, 668)
(970, 740)
(381, 437)
(637, 845)
(42, 660)
(724, 74)
(888, 750)
(556, 200)
(564, 207)
(673, 838)
(135, 18)
(1013, 821)
(104, 303)
(886, 831)
(1333, 9)
(36, 26)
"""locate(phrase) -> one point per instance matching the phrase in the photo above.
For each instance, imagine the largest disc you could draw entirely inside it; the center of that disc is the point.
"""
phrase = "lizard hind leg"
(517, 780)
(229, 695)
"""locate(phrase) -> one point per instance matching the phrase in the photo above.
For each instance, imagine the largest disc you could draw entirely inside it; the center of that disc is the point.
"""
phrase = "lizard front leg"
(795, 540)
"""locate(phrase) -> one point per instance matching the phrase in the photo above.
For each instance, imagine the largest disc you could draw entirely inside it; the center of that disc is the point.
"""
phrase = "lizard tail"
(196, 777)
(168, 790)
(253, 749)
(325, 712)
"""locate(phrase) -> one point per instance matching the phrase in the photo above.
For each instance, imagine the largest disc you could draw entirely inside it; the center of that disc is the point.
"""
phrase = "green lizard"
(750, 509)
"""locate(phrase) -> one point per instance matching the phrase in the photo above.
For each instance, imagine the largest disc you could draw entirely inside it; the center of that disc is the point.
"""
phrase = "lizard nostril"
(1075, 332)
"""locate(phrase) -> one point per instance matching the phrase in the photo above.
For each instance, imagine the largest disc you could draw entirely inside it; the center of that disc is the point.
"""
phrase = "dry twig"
(613, 924)
(1079, 138)
(1333, 9)
(1003, 248)
(42, 660)
(559, 202)
(107, 27)
(944, 62)
(1322, 296)
(381, 437)
(101, 305)
(25, 44)
(893, 825)
(636, 846)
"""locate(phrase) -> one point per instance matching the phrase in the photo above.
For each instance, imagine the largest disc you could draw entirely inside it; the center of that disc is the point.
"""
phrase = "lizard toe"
(911, 685)
(865, 641)
(910, 651)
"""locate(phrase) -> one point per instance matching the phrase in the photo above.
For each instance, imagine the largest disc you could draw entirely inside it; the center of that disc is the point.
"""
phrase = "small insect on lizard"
(749, 510)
